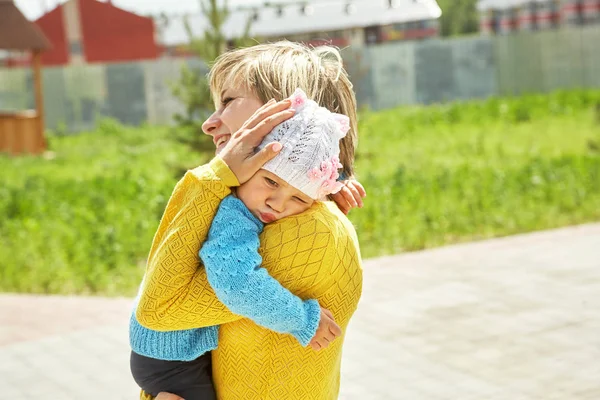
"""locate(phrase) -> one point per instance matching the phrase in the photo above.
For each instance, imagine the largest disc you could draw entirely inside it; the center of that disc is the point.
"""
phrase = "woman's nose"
(211, 124)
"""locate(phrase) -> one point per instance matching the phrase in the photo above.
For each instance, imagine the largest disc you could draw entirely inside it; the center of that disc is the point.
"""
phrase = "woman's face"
(235, 105)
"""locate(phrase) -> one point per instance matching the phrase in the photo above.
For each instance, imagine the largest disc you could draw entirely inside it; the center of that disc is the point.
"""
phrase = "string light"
(307, 9)
(350, 9)
(279, 11)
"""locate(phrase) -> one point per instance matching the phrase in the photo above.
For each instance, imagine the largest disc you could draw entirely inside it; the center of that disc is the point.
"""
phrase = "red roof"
(108, 34)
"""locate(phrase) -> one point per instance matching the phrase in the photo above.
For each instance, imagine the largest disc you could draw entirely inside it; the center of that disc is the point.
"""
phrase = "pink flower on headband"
(330, 187)
(298, 99)
(314, 174)
(328, 172)
(336, 161)
(343, 122)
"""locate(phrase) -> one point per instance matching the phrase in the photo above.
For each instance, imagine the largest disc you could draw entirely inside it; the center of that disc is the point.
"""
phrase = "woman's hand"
(239, 154)
(350, 196)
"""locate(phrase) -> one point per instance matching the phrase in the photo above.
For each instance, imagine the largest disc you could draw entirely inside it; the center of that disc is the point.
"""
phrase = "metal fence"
(477, 67)
(384, 76)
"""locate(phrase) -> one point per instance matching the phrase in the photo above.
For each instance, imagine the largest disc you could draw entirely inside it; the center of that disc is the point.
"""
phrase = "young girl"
(304, 171)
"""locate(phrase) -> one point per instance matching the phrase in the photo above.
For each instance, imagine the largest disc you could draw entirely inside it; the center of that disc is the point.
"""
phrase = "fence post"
(40, 142)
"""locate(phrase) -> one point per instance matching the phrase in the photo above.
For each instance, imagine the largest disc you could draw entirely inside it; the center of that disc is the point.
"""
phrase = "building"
(506, 16)
(90, 31)
(341, 23)
(23, 131)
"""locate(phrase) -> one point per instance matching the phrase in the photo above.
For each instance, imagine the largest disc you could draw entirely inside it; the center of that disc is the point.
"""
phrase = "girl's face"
(270, 198)
(235, 105)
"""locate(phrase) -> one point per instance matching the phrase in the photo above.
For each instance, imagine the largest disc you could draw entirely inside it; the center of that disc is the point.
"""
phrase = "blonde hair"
(275, 70)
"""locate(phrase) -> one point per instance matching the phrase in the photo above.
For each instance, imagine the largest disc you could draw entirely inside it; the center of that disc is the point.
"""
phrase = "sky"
(33, 9)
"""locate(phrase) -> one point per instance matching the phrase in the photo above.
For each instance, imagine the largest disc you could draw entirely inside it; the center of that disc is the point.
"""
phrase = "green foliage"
(458, 17)
(466, 171)
(81, 219)
(193, 89)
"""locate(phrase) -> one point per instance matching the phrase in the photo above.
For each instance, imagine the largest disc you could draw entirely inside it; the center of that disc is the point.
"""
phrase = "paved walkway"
(509, 319)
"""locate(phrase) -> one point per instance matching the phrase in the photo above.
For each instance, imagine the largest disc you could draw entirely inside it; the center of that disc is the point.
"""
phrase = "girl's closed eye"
(300, 200)
(271, 182)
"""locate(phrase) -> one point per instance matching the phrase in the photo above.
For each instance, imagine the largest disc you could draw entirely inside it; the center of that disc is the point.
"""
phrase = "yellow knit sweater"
(314, 255)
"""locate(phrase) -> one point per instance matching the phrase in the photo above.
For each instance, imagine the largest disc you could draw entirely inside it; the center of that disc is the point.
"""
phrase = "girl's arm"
(233, 266)
(173, 283)
(174, 288)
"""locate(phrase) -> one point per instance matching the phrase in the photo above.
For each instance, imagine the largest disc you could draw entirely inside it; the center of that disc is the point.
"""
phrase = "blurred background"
(477, 119)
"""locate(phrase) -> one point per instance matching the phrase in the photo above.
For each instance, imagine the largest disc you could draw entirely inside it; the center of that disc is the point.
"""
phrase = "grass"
(81, 219)
(460, 172)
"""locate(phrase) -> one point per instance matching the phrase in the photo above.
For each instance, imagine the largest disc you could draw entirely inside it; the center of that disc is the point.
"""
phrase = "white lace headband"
(309, 159)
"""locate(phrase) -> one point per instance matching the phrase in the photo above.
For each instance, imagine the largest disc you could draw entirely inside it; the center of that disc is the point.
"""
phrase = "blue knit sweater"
(230, 256)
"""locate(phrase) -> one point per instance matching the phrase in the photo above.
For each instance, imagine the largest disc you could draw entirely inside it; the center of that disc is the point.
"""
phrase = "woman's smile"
(221, 140)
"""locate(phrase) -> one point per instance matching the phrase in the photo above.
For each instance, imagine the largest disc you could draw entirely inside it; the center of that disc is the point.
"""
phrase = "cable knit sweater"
(233, 268)
(314, 255)
(230, 256)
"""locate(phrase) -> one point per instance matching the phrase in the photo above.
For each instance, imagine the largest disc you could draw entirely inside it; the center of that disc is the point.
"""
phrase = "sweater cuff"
(313, 317)
(221, 171)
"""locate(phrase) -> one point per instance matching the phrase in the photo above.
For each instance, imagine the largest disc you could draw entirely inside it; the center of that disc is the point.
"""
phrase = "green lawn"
(446, 174)
(81, 219)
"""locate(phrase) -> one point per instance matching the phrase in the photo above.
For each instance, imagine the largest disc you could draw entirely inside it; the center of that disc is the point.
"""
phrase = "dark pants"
(191, 380)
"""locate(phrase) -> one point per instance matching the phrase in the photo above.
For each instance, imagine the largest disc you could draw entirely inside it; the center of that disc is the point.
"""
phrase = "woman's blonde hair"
(275, 70)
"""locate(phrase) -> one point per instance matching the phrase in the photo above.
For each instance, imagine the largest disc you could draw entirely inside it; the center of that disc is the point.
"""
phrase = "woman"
(314, 254)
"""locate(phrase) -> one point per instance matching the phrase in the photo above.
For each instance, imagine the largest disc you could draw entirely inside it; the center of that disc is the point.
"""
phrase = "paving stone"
(512, 318)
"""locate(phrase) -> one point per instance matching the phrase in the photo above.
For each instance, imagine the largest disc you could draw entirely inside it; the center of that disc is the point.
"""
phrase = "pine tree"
(192, 89)
(459, 17)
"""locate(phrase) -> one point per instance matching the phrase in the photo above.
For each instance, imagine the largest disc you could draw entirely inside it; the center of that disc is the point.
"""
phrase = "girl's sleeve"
(233, 266)
(175, 293)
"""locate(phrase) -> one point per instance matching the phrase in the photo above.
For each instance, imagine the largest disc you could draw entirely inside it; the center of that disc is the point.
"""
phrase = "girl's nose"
(212, 123)
(276, 203)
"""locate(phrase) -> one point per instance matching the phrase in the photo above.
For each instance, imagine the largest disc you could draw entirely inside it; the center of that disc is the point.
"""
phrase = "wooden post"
(39, 99)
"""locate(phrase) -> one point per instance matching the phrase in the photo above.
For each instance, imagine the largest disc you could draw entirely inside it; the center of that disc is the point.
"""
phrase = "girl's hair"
(276, 70)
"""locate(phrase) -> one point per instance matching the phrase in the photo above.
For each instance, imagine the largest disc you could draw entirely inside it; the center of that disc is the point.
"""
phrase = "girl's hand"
(350, 196)
(326, 332)
(239, 154)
